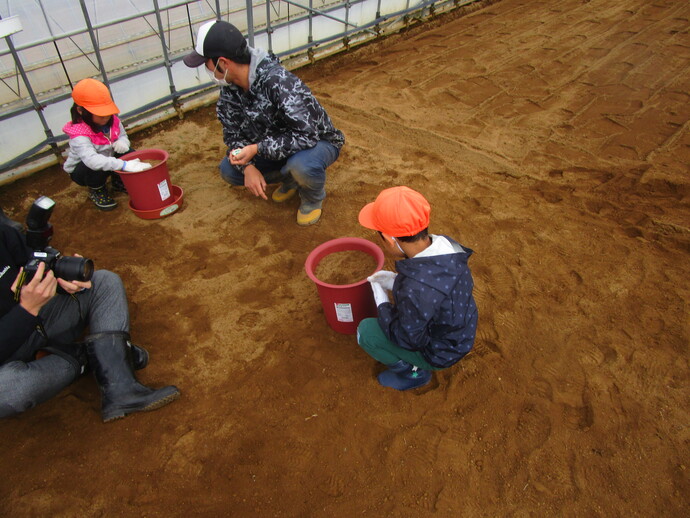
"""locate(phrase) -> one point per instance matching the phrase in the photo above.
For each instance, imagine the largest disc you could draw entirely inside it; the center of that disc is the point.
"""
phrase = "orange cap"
(398, 212)
(95, 97)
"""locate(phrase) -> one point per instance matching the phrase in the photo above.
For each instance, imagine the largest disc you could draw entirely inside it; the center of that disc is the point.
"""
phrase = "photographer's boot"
(139, 356)
(101, 198)
(75, 353)
(121, 393)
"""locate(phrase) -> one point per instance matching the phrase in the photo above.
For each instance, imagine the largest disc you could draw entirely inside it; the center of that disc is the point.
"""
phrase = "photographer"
(43, 319)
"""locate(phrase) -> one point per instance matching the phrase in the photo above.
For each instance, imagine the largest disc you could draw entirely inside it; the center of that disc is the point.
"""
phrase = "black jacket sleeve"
(16, 324)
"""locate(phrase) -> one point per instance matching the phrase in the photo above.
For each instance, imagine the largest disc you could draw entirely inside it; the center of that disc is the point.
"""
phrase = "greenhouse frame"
(49, 45)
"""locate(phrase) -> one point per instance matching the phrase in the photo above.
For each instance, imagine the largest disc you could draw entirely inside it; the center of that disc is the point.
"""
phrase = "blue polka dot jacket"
(434, 310)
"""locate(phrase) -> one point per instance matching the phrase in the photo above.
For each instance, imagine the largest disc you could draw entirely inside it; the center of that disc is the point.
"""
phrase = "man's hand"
(243, 155)
(74, 286)
(255, 182)
(36, 293)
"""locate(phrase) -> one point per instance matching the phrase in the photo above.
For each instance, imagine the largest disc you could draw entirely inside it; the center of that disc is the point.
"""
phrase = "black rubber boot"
(121, 393)
(139, 356)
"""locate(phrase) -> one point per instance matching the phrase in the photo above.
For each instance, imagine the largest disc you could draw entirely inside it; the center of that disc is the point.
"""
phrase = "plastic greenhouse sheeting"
(136, 46)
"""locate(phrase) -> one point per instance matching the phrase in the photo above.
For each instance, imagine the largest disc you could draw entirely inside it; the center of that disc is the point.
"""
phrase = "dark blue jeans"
(305, 170)
(25, 383)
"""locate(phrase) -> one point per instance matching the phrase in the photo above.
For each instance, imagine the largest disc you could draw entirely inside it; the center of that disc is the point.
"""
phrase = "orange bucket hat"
(95, 97)
(397, 211)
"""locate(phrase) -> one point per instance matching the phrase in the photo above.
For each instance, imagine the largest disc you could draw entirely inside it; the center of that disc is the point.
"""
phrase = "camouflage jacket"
(278, 112)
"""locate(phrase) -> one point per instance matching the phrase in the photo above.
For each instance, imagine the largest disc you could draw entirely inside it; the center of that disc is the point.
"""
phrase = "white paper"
(343, 312)
(164, 190)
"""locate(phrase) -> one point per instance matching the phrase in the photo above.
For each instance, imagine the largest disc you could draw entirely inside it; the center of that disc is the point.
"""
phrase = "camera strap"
(39, 327)
(20, 283)
(42, 330)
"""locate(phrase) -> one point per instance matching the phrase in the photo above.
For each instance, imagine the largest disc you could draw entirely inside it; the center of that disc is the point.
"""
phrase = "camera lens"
(74, 269)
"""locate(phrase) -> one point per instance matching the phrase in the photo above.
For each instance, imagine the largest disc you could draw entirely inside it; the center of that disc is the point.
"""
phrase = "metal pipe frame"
(94, 43)
(34, 100)
(269, 29)
(250, 22)
(99, 26)
(325, 14)
(176, 96)
(166, 58)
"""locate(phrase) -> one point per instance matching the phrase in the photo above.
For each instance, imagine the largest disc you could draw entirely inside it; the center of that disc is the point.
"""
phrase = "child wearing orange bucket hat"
(433, 321)
(97, 140)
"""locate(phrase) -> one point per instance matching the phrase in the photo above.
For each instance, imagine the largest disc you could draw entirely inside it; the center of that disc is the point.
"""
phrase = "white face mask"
(399, 248)
(212, 75)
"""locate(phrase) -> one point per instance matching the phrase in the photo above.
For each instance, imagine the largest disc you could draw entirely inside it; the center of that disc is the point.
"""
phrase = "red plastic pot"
(345, 306)
(151, 194)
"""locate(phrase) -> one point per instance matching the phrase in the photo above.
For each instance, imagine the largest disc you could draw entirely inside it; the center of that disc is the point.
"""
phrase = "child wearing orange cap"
(433, 321)
(97, 139)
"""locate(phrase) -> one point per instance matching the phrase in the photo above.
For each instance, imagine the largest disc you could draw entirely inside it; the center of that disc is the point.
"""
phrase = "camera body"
(38, 234)
(67, 268)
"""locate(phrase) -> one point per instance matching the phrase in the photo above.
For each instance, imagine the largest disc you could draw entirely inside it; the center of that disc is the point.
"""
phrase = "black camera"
(38, 234)
(67, 268)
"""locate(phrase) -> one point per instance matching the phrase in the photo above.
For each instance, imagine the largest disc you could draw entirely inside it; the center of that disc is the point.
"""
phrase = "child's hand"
(380, 295)
(384, 278)
(120, 146)
(135, 166)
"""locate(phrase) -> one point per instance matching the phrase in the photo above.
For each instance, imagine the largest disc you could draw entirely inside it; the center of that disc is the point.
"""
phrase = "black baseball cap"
(216, 39)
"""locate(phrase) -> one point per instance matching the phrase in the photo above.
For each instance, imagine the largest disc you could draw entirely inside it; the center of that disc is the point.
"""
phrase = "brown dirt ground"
(550, 137)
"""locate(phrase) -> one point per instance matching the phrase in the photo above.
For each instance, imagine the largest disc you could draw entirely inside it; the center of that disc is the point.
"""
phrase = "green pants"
(372, 339)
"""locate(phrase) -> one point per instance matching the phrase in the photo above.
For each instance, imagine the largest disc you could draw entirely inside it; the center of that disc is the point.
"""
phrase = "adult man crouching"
(275, 129)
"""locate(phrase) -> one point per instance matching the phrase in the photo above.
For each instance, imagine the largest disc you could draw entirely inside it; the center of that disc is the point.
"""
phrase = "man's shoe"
(309, 218)
(283, 193)
(101, 198)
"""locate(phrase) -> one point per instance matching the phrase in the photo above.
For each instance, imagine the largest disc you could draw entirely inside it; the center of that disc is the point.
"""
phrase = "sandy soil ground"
(550, 137)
